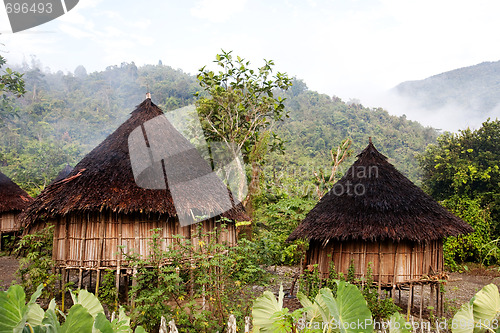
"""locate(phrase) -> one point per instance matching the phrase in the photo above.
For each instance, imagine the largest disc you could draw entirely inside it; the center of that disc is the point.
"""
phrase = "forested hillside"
(63, 116)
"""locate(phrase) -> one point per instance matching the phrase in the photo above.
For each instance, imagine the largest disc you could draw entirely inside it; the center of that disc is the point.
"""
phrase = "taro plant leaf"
(463, 321)
(122, 323)
(89, 301)
(313, 312)
(486, 307)
(78, 320)
(13, 310)
(102, 324)
(263, 309)
(35, 315)
(51, 322)
(397, 324)
(353, 314)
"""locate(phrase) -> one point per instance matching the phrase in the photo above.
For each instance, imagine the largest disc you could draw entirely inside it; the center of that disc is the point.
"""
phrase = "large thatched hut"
(376, 215)
(99, 207)
(13, 200)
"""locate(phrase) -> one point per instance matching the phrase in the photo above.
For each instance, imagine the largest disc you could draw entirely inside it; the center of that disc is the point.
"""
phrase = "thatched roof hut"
(99, 206)
(375, 214)
(13, 200)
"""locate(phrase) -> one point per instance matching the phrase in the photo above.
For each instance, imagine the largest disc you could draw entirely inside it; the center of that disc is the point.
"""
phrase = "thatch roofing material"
(103, 180)
(12, 197)
(374, 201)
(63, 173)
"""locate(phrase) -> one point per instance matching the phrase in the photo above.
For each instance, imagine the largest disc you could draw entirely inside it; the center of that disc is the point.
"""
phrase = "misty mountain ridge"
(465, 96)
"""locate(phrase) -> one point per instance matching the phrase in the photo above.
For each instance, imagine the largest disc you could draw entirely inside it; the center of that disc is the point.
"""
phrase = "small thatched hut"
(13, 200)
(376, 215)
(99, 206)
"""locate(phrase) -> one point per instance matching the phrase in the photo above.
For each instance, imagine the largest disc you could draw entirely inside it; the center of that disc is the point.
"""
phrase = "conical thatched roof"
(63, 173)
(374, 201)
(12, 197)
(104, 180)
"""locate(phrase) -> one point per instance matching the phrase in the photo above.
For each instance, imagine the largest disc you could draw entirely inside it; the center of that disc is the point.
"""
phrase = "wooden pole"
(379, 269)
(410, 292)
(421, 299)
(119, 260)
(394, 272)
(82, 250)
(100, 251)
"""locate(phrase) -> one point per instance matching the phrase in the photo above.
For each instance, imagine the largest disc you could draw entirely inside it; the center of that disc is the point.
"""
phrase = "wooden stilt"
(421, 300)
(62, 289)
(431, 298)
(90, 280)
(80, 276)
(410, 292)
(97, 281)
(134, 283)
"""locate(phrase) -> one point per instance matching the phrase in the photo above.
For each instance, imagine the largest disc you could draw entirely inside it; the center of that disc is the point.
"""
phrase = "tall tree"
(238, 107)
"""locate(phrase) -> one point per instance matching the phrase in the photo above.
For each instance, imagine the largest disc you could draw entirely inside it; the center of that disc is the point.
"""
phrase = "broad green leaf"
(51, 321)
(486, 307)
(13, 310)
(140, 329)
(314, 312)
(397, 324)
(463, 321)
(102, 324)
(263, 309)
(353, 313)
(78, 320)
(89, 301)
(35, 314)
(122, 323)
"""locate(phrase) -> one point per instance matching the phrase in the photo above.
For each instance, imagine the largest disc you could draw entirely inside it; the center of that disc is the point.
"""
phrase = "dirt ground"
(8, 267)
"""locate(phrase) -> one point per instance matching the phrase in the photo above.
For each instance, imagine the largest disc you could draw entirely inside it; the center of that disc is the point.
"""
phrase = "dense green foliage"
(171, 283)
(466, 165)
(471, 247)
(63, 116)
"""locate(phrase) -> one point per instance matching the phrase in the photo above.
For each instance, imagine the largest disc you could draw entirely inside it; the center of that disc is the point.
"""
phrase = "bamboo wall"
(9, 222)
(92, 240)
(392, 262)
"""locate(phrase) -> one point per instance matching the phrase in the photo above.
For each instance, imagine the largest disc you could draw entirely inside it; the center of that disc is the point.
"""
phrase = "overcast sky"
(347, 48)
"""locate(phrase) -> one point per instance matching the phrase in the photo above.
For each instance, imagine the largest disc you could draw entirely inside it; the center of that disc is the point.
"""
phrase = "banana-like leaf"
(122, 323)
(13, 310)
(313, 313)
(486, 307)
(35, 315)
(397, 324)
(51, 322)
(102, 324)
(463, 321)
(353, 313)
(263, 309)
(78, 320)
(89, 301)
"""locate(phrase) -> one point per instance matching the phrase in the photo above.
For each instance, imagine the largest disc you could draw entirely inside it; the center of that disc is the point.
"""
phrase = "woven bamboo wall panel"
(9, 222)
(97, 240)
(391, 262)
